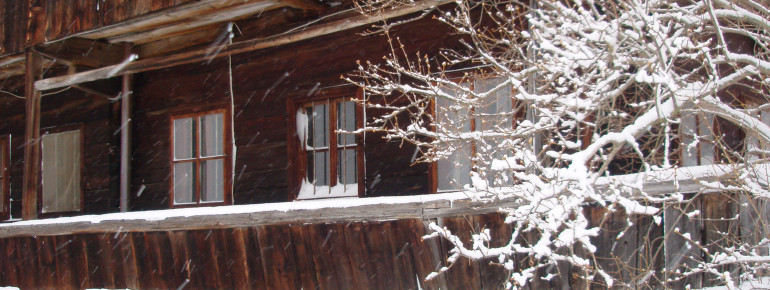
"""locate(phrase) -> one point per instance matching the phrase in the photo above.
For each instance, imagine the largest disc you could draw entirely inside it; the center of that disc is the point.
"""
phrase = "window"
(5, 188)
(331, 162)
(697, 139)
(61, 171)
(494, 115)
(199, 159)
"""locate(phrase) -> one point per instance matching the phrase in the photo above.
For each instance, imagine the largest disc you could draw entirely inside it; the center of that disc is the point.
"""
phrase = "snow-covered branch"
(540, 102)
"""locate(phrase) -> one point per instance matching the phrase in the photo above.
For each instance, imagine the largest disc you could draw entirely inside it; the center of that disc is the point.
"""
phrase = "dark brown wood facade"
(260, 89)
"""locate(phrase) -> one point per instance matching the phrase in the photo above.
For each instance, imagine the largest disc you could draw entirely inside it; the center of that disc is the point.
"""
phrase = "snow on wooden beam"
(230, 49)
(429, 206)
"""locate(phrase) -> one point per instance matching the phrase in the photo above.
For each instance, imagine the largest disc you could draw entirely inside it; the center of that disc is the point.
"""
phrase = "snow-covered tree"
(547, 101)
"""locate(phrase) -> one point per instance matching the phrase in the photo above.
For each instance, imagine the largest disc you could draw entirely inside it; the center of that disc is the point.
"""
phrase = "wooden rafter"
(164, 17)
(223, 15)
(155, 63)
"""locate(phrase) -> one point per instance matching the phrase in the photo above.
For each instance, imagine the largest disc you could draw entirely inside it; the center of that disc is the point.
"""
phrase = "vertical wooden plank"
(219, 258)
(357, 252)
(386, 274)
(63, 262)
(108, 258)
(434, 260)
(254, 259)
(36, 24)
(401, 249)
(31, 138)
(10, 264)
(180, 258)
(333, 268)
(278, 258)
(44, 261)
(616, 252)
(493, 275)
(306, 265)
(677, 250)
(464, 273)
(79, 258)
(126, 254)
(206, 270)
(160, 244)
(754, 222)
(720, 229)
(95, 268)
(650, 261)
(239, 267)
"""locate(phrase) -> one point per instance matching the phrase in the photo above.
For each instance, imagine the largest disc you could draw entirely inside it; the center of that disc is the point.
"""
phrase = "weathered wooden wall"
(29, 22)
(381, 255)
(100, 119)
(263, 81)
(356, 255)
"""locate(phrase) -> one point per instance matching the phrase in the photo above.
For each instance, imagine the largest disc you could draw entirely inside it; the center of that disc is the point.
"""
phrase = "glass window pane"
(454, 171)
(184, 182)
(346, 120)
(61, 171)
(212, 179)
(212, 143)
(183, 138)
(320, 126)
(496, 104)
(321, 168)
(346, 166)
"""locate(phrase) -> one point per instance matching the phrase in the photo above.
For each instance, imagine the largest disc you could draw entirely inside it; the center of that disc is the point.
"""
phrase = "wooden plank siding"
(381, 255)
(329, 255)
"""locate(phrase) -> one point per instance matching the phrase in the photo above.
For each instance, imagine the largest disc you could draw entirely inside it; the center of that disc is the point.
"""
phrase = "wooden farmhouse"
(194, 144)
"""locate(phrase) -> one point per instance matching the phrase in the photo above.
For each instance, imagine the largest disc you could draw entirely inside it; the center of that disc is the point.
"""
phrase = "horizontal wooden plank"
(326, 210)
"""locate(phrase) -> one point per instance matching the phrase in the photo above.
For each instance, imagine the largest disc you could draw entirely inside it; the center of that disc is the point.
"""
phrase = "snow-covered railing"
(335, 210)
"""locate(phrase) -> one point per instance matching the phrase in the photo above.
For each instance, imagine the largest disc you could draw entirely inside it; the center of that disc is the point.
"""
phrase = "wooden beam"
(179, 42)
(31, 139)
(230, 49)
(219, 16)
(429, 206)
(84, 52)
(125, 136)
(152, 20)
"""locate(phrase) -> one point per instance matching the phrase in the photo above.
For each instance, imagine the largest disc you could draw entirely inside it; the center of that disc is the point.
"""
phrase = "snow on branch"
(541, 104)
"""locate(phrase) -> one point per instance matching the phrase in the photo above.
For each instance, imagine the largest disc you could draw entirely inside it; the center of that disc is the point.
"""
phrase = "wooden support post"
(32, 137)
(125, 137)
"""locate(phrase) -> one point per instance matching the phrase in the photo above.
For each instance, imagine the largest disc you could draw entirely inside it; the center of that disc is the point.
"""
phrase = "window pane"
(346, 166)
(320, 123)
(320, 168)
(184, 182)
(183, 138)
(211, 135)
(495, 107)
(346, 120)
(454, 171)
(452, 119)
(61, 171)
(212, 178)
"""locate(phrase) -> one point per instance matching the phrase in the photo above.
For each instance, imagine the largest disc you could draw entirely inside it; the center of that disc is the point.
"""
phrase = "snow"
(302, 123)
(310, 191)
(315, 204)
